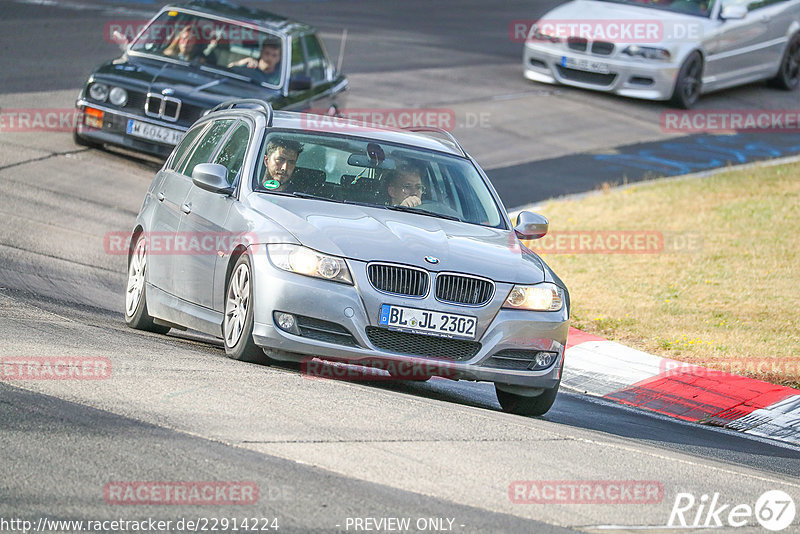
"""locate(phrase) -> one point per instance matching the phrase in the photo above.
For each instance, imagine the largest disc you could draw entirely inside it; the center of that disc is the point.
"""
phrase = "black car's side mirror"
(212, 177)
(300, 82)
(531, 225)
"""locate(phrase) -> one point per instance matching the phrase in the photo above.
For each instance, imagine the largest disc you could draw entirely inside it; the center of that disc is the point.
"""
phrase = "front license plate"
(585, 65)
(153, 132)
(428, 322)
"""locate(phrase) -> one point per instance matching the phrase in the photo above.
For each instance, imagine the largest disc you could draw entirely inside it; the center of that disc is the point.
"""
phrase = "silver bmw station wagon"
(296, 237)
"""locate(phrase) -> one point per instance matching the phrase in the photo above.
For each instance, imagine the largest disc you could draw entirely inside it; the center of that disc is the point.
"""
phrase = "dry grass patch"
(731, 303)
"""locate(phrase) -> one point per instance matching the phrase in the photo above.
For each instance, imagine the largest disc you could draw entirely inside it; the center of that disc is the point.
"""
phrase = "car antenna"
(341, 50)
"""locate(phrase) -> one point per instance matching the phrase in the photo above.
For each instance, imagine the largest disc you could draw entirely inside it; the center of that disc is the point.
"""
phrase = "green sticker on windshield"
(272, 184)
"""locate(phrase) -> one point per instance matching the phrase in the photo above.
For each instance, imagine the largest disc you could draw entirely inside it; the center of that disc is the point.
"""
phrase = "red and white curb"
(615, 372)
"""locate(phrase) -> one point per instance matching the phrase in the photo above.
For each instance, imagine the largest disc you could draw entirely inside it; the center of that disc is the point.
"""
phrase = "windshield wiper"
(421, 211)
(313, 197)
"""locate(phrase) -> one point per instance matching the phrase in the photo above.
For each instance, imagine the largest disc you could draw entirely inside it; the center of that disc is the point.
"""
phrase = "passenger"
(267, 68)
(280, 160)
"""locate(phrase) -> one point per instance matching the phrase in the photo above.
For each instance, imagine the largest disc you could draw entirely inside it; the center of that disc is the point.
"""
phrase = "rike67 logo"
(774, 510)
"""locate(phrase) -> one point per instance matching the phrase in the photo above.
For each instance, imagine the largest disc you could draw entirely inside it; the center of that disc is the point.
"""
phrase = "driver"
(404, 187)
(280, 160)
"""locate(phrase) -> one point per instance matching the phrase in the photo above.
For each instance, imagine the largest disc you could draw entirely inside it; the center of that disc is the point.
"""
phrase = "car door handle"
(160, 196)
(186, 208)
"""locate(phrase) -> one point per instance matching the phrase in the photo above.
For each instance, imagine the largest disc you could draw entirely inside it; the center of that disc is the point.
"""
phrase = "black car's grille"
(422, 345)
(459, 289)
(325, 331)
(602, 48)
(594, 78)
(136, 102)
(577, 43)
(398, 280)
(190, 114)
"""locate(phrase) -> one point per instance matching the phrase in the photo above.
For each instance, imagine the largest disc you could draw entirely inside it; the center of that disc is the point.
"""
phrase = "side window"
(232, 153)
(317, 62)
(205, 147)
(183, 147)
(298, 59)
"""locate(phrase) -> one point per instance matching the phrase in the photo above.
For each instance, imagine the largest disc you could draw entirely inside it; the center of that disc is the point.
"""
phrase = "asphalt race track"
(325, 453)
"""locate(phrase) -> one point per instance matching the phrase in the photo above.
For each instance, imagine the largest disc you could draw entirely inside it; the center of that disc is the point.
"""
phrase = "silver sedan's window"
(382, 174)
(180, 151)
(231, 156)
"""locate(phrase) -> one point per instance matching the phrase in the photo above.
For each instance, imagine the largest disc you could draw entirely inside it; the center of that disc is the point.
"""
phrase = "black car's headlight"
(648, 52)
(98, 91)
(539, 297)
(118, 96)
(303, 260)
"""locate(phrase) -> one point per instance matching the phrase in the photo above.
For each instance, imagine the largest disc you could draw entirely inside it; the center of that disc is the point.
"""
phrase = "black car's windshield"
(690, 7)
(228, 47)
(380, 174)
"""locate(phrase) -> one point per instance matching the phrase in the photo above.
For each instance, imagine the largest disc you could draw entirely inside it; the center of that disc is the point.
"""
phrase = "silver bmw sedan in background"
(666, 49)
(304, 238)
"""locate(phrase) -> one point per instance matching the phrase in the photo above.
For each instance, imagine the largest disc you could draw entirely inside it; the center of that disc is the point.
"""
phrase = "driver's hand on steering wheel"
(411, 201)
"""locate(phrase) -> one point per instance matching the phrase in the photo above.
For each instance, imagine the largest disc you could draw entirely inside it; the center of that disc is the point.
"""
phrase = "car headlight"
(541, 297)
(302, 260)
(118, 96)
(99, 91)
(537, 35)
(647, 52)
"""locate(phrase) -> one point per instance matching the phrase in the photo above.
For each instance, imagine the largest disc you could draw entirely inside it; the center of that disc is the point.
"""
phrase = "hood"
(366, 234)
(188, 81)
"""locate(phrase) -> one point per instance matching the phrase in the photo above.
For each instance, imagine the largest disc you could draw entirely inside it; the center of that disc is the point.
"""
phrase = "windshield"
(690, 7)
(231, 48)
(384, 175)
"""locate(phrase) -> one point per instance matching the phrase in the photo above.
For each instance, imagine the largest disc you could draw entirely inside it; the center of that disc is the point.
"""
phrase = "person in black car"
(267, 68)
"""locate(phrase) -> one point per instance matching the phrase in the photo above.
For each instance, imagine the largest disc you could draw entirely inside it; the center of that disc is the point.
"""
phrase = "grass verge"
(710, 274)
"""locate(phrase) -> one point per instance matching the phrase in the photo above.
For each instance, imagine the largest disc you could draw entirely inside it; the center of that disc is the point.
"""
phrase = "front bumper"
(114, 130)
(356, 309)
(646, 79)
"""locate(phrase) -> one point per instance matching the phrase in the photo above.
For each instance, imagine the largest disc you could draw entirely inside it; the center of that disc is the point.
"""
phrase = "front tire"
(237, 326)
(788, 77)
(689, 82)
(136, 315)
(523, 405)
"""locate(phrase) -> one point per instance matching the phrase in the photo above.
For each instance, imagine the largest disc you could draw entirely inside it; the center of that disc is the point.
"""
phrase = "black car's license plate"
(428, 322)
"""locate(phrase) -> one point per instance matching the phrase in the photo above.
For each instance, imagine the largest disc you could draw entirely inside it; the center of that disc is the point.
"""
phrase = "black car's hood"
(191, 81)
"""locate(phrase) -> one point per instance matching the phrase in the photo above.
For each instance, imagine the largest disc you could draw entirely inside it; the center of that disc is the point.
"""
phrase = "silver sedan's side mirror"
(531, 225)
(211, 177)
(733, 12)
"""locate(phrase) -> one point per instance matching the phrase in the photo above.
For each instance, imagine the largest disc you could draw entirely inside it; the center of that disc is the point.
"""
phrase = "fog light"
(285, 321)
(93, 118)
(544, 359)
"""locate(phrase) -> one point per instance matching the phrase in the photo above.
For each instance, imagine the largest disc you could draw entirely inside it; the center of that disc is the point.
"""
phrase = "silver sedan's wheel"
(237, 325)
(789, 74)
(136, 315)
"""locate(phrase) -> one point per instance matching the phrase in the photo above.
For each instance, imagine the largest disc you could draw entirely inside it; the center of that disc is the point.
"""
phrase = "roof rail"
(263, 104)
(432, 129)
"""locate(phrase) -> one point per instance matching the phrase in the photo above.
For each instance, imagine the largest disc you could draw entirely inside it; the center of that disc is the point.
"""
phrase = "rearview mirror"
(363, 160)
(211, 177)
(531, 225)
(733, 12)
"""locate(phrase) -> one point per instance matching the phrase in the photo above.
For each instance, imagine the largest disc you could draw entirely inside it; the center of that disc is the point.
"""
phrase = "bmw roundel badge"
(432, 259)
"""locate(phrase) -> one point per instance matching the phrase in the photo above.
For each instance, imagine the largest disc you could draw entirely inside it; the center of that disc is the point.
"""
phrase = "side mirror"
(531, 225)
(300, 82)
(733, 13)
(212, 177)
